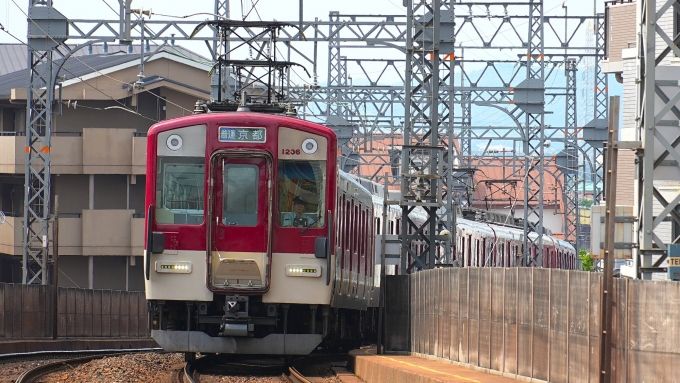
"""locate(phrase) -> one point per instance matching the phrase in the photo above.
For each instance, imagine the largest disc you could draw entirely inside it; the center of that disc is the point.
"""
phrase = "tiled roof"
(378, 156)
(79, 66)
(500, 183)
(13, 57)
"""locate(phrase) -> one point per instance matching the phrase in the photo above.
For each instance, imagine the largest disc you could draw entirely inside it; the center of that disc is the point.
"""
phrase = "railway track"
(65, 360)
(296, 372)
(207, 369)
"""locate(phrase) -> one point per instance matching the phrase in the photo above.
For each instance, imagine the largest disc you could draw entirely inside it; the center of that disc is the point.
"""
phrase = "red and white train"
(257, 244)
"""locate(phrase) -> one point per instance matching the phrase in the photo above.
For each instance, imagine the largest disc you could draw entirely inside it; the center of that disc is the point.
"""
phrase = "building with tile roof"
(98, 154)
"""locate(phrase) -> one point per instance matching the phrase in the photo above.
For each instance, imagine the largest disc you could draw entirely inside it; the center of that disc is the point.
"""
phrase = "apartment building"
(622, 38)
(621, 61)
(98, 155)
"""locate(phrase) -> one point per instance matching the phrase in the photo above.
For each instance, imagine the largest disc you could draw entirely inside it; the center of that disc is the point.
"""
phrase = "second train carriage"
(487, 244)
(477, 243)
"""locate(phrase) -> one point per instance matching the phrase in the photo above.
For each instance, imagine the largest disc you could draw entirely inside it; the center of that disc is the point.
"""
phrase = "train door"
(240, 221)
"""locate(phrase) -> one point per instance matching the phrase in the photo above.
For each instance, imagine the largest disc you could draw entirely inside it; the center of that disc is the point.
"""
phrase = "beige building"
(98, 156)
(621, 60)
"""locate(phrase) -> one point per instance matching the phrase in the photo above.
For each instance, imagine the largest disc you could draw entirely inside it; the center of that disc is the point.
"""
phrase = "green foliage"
(586, 202)
(587, 261)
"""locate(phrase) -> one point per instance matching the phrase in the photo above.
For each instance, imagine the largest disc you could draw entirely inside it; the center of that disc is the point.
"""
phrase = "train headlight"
(176, 267)
(303, 271)
(310, 146)
(174, 142)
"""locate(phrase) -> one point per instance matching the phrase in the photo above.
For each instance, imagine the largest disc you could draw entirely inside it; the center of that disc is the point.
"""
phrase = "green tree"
(587, 261)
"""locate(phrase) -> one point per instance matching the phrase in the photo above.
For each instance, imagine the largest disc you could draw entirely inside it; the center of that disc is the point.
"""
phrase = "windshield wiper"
(311, 224)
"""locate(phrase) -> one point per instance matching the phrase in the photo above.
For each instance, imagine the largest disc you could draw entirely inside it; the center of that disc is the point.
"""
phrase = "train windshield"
(302, 191)
(179, 190)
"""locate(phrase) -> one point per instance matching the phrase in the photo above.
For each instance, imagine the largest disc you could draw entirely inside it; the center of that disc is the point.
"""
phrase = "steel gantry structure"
(427, 152)
(369, 106)
(532, 104)
(658, 132)
(568, 159)
(46, 30)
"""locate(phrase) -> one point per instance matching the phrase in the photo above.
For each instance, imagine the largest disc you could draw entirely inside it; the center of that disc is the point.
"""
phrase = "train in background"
(257, 244)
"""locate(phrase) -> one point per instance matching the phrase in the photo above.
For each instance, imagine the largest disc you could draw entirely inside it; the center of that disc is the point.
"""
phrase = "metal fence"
(26, 312)
(538, 323)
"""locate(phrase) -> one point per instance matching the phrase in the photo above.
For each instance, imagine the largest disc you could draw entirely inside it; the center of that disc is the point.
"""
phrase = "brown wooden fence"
(538, 323)
(26, 312)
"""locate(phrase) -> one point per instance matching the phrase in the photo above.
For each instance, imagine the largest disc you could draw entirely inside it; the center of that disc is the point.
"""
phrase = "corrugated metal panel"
(464, 334)
(558, 330)
(485, 339)
(473, 315)
(541, 316)
(578, 355)
(619, 331)
(595, 283)
(497, 341)
(456, 321)
(511, 301)
(447, 320)
(558, 315)
(653, 343)
(524, 321)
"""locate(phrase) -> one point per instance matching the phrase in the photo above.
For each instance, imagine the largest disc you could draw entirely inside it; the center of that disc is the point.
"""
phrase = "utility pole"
(607, 293)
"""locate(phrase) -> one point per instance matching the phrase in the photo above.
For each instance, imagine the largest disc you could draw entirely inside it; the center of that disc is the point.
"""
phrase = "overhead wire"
(254, 6)
(98, 72)
(157, 96)
(82, 80)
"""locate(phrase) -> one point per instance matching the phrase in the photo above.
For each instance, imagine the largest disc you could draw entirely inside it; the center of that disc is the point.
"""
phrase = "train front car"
(238, 241)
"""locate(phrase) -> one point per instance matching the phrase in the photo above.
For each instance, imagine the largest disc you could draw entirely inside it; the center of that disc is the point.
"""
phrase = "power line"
(97, 71)
(81, 79)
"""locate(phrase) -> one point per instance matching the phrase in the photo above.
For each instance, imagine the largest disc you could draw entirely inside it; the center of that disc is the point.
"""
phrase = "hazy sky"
(14, 20)
(283, 10)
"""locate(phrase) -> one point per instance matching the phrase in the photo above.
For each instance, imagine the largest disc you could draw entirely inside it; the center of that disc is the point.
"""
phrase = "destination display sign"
(240, 134)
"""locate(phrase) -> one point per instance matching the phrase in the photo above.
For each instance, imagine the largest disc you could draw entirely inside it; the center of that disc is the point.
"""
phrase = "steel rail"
(186, 375)
(34, 374)
(296, 376)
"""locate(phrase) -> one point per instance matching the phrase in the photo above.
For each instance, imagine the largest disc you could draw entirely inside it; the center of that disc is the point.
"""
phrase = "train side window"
(498, 261)
(347, 225)
(240, 194)
(179, 190)
(305, 182)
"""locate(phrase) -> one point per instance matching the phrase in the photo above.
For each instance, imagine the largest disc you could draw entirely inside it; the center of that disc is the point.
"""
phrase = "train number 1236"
(290, 152)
